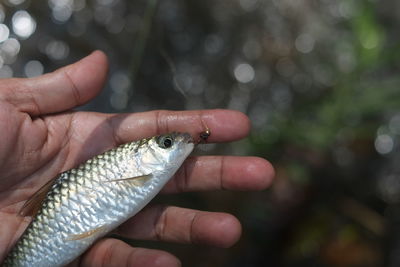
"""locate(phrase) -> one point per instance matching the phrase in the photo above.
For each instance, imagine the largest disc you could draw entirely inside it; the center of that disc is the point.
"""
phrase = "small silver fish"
(83, 204)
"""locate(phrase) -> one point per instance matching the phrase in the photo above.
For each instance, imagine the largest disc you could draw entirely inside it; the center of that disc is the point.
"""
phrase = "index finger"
(224, 125)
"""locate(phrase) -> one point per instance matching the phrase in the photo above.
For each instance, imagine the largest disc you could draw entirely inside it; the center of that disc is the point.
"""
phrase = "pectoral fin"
(86, 234)
(33, 204)
(136, 180)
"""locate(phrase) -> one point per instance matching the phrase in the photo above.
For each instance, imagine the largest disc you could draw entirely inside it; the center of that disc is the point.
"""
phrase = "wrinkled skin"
(41, 137)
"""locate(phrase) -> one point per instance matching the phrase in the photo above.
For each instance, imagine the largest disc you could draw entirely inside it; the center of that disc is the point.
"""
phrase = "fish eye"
(165, 142)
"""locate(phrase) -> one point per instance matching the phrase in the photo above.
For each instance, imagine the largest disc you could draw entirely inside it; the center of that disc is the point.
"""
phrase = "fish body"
(85, 203)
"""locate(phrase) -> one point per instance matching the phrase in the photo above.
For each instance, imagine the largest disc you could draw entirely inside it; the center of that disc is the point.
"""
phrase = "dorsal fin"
(33, 204)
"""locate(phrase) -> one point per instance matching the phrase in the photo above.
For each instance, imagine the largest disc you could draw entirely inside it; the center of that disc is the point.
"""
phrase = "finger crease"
(68, 136)
(160, 223)
(108, 255)
(158, 121)
(201, 121)
(114, 134)
(70, 130)
(34, 102)
(161, 122)
(47, 129)
(75, 92)
(191, 231)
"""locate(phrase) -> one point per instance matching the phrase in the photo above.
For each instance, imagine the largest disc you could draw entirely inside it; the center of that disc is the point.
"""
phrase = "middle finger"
(221, 172)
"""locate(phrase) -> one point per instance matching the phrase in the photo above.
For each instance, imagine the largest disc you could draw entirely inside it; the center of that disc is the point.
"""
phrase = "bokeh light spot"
(10, 49)
(23, 24)
(244, 73)
(389, 187)
(120, 82)
(103, 15)
(62, 14)
(33, 68)
(4, 32)
(6, 72)
(57, 50)
(119, 100)
(213, 44)
(62, 9)
(15, 2)
(304, 43)
(384, 144)
(2, 14)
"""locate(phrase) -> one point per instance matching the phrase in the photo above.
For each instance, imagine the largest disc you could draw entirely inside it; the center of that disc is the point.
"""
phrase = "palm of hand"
(38, 143)
(33, 151)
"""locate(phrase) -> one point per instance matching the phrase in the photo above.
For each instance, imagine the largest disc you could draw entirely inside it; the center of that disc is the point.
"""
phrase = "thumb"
(60, 90)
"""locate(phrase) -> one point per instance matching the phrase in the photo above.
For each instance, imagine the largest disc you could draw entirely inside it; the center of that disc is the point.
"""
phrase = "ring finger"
(180, 225)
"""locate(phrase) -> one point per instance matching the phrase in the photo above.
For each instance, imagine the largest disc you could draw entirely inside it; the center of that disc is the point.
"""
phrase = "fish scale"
(85, 203)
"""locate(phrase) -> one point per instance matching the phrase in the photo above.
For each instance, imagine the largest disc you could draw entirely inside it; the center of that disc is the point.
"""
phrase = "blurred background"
(318, 78)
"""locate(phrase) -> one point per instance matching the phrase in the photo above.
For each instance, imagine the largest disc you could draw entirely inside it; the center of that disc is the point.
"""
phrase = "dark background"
(318, 78)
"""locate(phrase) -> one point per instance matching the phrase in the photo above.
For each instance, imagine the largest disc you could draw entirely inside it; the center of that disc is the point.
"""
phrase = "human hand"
(41, 137)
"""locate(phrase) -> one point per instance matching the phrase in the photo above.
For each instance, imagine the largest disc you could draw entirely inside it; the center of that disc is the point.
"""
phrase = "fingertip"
(152, 258)
(231, 230)
(223, 230)
(163, 259)
(245, 121)
(260, 172)
(97, 57)
(88, 75)
(230, 124)
(242, 122)
(247, 173)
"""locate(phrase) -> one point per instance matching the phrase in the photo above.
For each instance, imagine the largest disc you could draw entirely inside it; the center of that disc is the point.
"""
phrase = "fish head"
(174, 147)
(166, 152)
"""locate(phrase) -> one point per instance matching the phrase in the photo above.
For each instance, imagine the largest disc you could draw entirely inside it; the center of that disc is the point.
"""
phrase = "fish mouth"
(183, 137)
(187, 138)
